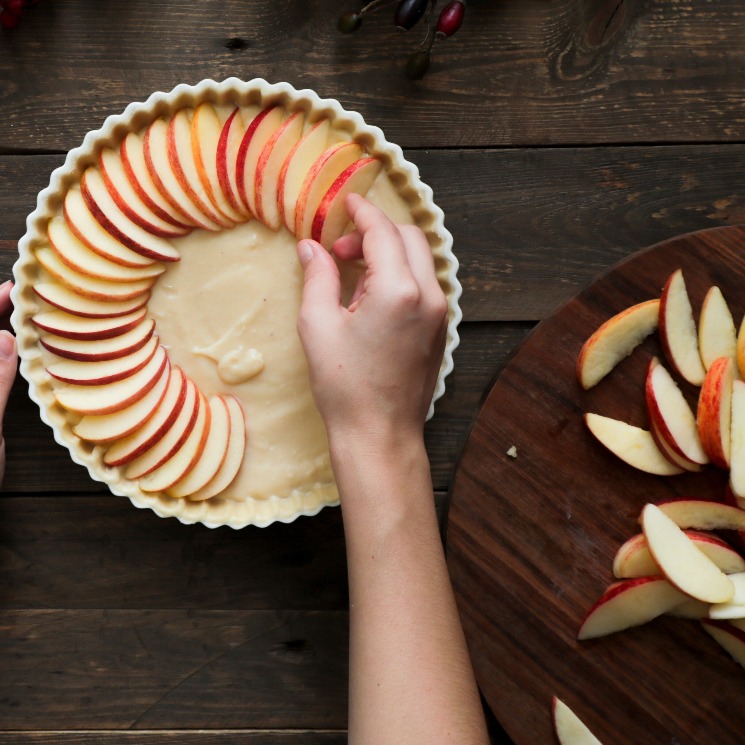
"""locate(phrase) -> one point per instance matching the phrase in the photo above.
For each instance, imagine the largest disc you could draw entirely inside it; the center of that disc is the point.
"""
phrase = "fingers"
(8, 365)
(321, 284)
(5, 305)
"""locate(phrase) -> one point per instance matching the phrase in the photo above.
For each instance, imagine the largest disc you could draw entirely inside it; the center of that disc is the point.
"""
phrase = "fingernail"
(305, 252)
(7, 345)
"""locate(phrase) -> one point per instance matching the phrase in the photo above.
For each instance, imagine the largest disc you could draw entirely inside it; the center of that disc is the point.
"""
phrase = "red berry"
(9, 20)
(14, 7)
(451, 18)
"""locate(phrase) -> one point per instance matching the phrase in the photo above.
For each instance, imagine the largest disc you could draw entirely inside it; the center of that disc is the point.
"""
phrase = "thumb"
(8, 364)
(322, 285)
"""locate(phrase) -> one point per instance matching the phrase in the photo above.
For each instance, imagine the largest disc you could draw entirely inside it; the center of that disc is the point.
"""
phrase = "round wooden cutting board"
(531, 538)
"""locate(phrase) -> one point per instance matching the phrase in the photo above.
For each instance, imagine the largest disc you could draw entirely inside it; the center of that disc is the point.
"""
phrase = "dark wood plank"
(173, 669)
(175, 737)
(518, 73)
(531, 227)
(530, 540)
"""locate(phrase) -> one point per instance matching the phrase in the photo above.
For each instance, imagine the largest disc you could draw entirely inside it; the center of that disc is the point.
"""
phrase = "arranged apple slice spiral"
(114, 237)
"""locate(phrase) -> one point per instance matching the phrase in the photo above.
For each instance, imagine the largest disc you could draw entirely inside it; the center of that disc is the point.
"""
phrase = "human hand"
(374, 364)
(8, 362)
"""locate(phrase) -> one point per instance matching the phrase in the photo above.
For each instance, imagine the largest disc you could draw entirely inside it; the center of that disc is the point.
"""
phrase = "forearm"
(410, 675)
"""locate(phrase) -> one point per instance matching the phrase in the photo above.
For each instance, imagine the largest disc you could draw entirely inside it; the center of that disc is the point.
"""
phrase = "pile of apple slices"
(677, 567)
(207, 168)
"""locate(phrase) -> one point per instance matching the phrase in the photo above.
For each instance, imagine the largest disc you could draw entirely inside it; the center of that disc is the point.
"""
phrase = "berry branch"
(407, 14)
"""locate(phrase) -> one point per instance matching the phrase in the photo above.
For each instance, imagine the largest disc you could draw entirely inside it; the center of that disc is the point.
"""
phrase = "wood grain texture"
(530, 540)
(174, 737)
(518, 73)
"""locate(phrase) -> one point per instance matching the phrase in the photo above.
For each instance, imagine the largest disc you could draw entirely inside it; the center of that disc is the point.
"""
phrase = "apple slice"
(76, 255)
(185, 459)
(678, 330)
(184, 166)
(737, 440)
(735, 608)
(630, 602)
(206, 129)
(615, 340)
(139, 441)
(257, 134)
(684, 565)
(227, 158)
(569, 728)
(297, 164)
(171, 439)
(234, 456)
(76, 327)
(165, 179)
(717, 336)
(111, 218)
(729, 636)
(87, 286)
(108, 427)
(691, 609)
(269, 166)
(671, 415)
(132, 153)
(714, 413)
(212, 456)
(631, 444)
(633, 558)
(110, 397)
(128, 199)
(683, 463)
(100, 349)
(331, 217)
(88, 230)
(83, 372)
(325, 170)
(63, 298)
(703, 515)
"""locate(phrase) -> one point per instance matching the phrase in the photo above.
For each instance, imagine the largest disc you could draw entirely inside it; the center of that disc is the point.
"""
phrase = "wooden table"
(558, 135)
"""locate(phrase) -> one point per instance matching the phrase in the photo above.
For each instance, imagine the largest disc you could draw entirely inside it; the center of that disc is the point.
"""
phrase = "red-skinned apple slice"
(172, 439)
(717, 336)
(269, 166)
(321, 175)
(65, 299)
(297, 164)
(735, 608)
(100, 349)
(111, 218)
(76, 327)
(683, 463)
(77, 372)
(630, 602)
(140, 441)
(331, 217)
(615, 340)
(132, 152)
(87, 286)
(740, 350)
(227, 158)
(631, 444)
(701, 514)
(684, 565)
(105, 399)
(109, 427)
(182, 463)
(714, 413)
(678, 330)
(633, 558)
(737, 440)
(167, 183)
(183, 165)
(233, 458)
(729, 635)
(691, 609)
(213, 454)
(206, 129)
(128, 199)
(673, 419)
(257, 134)
(569, 728)
(88, 230)
(76, 255)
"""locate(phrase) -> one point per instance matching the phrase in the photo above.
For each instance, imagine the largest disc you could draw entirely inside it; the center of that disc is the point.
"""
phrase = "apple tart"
(157, 291)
